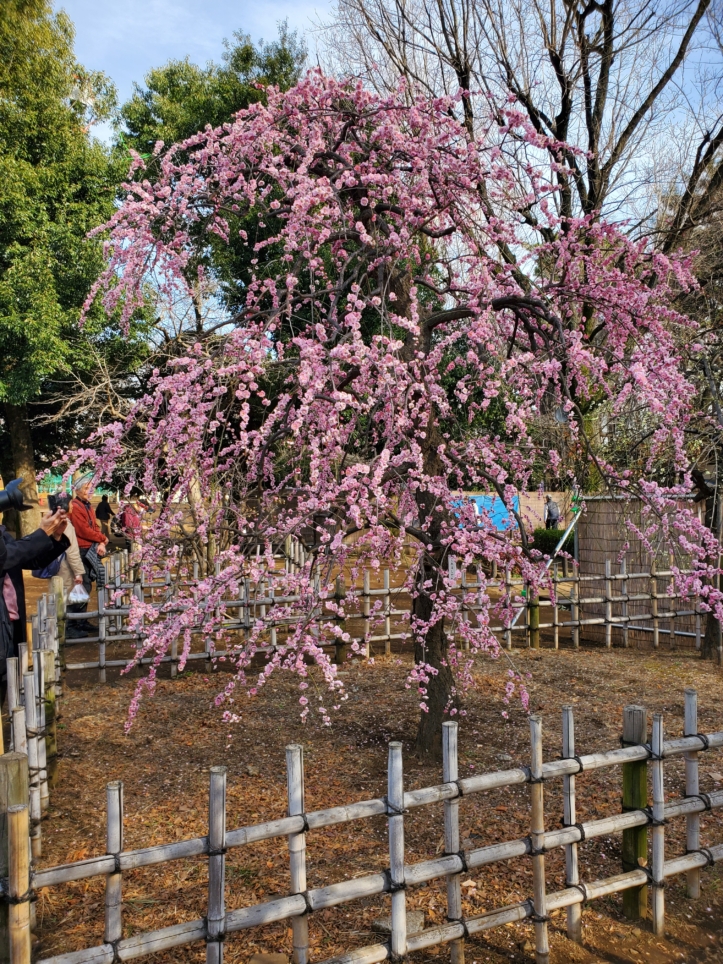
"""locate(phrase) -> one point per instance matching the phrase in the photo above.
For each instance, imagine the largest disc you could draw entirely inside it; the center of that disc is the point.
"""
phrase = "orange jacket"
(82, 515)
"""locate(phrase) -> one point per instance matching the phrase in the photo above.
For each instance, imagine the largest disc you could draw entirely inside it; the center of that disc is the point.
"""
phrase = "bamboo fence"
(25, 879)
(621, 607)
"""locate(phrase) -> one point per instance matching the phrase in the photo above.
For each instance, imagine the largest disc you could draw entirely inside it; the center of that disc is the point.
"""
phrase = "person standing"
(551, 513)
(91, 542)
(35, 551)
(72, 572)
(104, 514)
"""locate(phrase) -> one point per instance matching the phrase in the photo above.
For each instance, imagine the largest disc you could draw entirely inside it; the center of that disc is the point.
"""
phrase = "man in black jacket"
(35, 551)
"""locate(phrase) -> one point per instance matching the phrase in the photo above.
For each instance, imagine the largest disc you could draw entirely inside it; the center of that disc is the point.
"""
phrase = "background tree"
(56, 183)
(379, 275)
(635, 86)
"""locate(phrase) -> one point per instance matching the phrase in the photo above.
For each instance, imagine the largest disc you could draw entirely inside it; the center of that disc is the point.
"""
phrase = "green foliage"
(56, 184)
(546, 541)
(182, 98)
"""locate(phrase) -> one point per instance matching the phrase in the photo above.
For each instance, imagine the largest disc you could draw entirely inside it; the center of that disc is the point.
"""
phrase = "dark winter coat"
(32, 552)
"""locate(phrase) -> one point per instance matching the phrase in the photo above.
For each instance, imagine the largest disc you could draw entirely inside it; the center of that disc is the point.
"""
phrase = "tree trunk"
(440, 688)
(23, 457)
(434, 649)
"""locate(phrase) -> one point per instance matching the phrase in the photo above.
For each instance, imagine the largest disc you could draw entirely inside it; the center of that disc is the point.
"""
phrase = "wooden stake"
(658, 832)
(537, 838)
(574, 911)
(216, 917)
(533, 609)
(692, 787)
(19, 884)
(114, 845)
(450, 774)
(635, 797)
(297, 848)
(395, 810)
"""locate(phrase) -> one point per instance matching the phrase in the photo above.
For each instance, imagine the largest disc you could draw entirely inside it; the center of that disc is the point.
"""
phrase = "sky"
(125, 38)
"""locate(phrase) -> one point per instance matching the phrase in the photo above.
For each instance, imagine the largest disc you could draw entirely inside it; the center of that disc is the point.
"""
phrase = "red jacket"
(82, 515)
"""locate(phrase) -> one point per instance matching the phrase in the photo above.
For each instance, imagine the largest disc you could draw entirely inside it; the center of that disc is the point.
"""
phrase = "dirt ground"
(178, 735)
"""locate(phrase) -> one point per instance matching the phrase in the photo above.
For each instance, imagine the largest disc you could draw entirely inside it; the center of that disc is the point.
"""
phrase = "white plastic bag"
(77, 594)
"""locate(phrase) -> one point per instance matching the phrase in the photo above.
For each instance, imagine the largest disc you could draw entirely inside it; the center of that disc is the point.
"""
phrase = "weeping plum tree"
(386, 355)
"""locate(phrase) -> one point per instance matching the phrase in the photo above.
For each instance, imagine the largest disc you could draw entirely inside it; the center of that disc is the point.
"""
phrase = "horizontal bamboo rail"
(400, 875)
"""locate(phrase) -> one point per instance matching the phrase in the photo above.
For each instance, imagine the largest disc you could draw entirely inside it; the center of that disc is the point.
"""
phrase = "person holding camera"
(35, 551)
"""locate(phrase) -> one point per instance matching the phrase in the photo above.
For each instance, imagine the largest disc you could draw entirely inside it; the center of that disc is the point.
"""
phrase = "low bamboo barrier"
(24, 880)
(622, 606)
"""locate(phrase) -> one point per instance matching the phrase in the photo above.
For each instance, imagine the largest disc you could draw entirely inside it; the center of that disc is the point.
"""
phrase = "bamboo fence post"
(537, 840)
(24, 658)
(13, 793)
(508, 597)
(698, 634)
(56, 587)
(114, 882)
(450, 774)
(31, 722)
(20, 731)
(40, 726)
(366, 612)
(658, 831)
(575, 611)
(395, 811)
(635, 797)
(555, 612)
(574, 911)
(101, 636)
(216, 918)
(692, 789)
(297, 848)
(387, 615)
(340, 646)
(608, 605)
(654, 604)
(51, 725)
(19, 884)
(624, 598)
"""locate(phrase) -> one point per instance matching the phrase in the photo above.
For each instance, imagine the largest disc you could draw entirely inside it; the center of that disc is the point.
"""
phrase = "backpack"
(52, 569)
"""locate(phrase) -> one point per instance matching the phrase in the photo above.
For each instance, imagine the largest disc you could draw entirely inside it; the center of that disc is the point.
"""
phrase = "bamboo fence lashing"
(450, 774)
